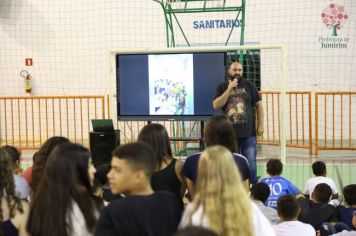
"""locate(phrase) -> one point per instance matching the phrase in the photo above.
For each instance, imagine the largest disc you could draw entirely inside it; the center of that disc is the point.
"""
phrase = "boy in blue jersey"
(278, 185)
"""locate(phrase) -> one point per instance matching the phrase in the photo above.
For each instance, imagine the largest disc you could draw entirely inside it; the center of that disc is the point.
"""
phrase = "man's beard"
(237, 76)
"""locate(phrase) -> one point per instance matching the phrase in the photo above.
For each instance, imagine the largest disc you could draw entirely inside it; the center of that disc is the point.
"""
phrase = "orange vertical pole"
(12, 122)
(342, 120)
(310, 124)
(325, 121)
(75, 121)
(39, 119)
(303, 138)
(5, 121)
(60, 116)
(46, 99)
(53, 118)
(316, 124)
(33, 123)
(350, 120)
(19, 122)
(290, 119)
(88, 112)
(333, 120)
(81, 119)
(67, 115)
(279, 121)
(296, 118)
(267, 120)
(273, 117)
(26, 125)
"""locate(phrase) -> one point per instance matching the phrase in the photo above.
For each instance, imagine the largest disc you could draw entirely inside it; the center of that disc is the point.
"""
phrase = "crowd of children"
(143, 192)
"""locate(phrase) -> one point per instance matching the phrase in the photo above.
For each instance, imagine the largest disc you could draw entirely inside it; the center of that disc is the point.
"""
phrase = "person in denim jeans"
(237, 97)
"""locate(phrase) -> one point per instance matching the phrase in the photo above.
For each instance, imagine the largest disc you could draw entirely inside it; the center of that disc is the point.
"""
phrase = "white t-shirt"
(261, 224)
(293, 228)
(312, 182)
(76, 222)
(345, 233)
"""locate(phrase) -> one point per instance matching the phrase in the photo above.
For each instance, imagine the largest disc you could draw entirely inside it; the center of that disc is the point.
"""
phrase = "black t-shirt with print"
(239, 107)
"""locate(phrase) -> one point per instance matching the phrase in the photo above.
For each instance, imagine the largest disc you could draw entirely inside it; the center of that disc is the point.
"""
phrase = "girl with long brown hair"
(63, 204)
(13, 212)
(39, 163)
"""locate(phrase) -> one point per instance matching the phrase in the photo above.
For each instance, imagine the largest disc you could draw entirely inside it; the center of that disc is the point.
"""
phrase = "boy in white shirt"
(288, 210)
(319, 170)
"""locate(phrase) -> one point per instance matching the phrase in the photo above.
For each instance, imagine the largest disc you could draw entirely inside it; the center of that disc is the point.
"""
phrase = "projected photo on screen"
(171, 84)
(168, 86)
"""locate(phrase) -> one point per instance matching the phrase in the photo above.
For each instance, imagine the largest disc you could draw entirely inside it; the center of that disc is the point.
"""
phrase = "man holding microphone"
(237, 97)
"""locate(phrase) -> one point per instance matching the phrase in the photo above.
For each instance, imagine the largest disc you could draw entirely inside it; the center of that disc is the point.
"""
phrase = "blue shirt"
(279, 186)
(22, 190)
(190, 168)
(345, 215)
(9, 228)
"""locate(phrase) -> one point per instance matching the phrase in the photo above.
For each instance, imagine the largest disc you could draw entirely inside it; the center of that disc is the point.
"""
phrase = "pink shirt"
(27, 174)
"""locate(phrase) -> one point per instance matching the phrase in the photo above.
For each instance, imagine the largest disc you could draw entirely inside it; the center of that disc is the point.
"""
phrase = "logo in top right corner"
(334, 17)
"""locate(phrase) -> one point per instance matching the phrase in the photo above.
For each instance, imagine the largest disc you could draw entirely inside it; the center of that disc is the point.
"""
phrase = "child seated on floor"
(345, 213)
(319, 170)
(278, 185)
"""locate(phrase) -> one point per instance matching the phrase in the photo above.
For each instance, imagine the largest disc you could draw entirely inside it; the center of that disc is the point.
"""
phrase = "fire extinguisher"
(28, 80)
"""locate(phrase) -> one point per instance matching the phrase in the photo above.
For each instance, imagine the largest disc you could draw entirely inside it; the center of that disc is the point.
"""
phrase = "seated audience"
(345, 213)
(168, 174)
(13, 211)
(40, 160)
(142, 212)
(63, 204)
(317, 210)
(21, 187)
(319, 170)
(221, 202)
(259, 194)
(288, 211)
(218, 131)
(278, 185)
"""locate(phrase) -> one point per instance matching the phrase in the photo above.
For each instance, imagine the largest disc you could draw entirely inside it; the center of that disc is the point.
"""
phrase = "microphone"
(238, 79)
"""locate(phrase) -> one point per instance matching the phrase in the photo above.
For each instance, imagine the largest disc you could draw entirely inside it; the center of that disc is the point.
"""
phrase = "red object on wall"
(28, 61)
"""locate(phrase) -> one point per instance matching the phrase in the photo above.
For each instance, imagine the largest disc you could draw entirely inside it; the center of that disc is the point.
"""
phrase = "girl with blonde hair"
(221, 202)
